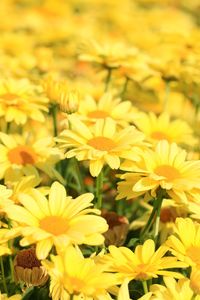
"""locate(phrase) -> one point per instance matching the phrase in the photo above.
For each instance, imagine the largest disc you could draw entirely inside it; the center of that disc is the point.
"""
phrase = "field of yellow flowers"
(100, 149)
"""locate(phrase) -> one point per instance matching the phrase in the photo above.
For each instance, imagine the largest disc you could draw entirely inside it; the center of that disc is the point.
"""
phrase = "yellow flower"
(142, 264)
(72, 274)
(20, 156)
(13, 297)
(173, 290)
(20, 101)
(186, 246)
(5, 197)
(100, 144)
(195, 280)
(161, 128)
(59, 221)
(108, 55)
(123, 112)
(164, 167)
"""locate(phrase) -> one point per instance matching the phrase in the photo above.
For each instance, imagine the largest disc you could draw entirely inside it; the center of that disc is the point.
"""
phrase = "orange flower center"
(27, 259)
(98, 114)
(9, 96)
(77, 284)
(159, 135)
(193, 253)
(169, 172)
(167, 215)
(142, 272)
(55, 225)
(102, 143)
(22, 155)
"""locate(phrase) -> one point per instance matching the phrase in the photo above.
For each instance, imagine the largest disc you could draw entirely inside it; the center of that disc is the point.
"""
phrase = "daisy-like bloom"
(101, 143)
(5, 197)
(173, 290)
(13, 297)
(164, 167)
(144, 263)
(58, 221)
(123, 112)
(20, 101)
(72, 274)
(162, 128)
(107, 55)
(186, 247)
(19, 157)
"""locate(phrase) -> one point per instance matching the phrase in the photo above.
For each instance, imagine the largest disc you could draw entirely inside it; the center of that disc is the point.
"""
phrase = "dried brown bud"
(28, 269)
(118, 228)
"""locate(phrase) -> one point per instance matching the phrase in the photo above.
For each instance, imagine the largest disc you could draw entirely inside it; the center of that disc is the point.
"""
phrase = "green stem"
(54, 110)
(157, 222)
(108, 78)
(78, 175)
(124, 87)
(145, 287)
(99, 190)
(3, 275)
(155, 212)
(10, 257)
(71, 297)
(167, 93)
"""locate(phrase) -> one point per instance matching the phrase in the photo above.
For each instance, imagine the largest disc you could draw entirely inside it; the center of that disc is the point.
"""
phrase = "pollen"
(159, 135)
(169, 172)
(98, 114)
(55, 225)
(102, 143)
(22, 155)
(193, 253)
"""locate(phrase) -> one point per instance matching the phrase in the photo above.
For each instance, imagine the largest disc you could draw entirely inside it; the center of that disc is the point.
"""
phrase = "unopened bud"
(69, 101)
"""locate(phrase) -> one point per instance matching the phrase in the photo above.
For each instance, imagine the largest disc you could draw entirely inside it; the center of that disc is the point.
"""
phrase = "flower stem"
(3, 276)
(54, 110)
(99, 188)
(167, 93)
(108, 78)
(145, 287)
(124, 87)
(155, 212)
(78, 175)
(71, 297)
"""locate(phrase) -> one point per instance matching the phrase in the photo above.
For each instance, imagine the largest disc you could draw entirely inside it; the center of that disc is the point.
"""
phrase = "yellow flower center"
(22, 155)
(159, 135)
(9, 99)
(141, 271)
(76, 284)
(55, 225)
(169, 172)
(98, 114)
(102, 143)
(193, 253)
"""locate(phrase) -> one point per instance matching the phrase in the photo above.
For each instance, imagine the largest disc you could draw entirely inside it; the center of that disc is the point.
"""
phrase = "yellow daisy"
(123, 112)
(20, 101)
(164, 167)
(5, 197)
(72, 274)
(19, 156)
(101, 143)
(173, 290)
(13, 297)
(142, 264)
(59, 221)
(186, 246)
(162, 128)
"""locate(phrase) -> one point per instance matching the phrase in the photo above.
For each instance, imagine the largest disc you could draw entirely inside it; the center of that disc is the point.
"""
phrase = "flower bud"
(118, 228)
(69, 101)
(28, 269)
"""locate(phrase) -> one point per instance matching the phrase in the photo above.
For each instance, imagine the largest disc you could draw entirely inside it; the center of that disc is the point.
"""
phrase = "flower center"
(169, 172)
(159, 135)
(98, 114)
(9, 98)
(141, 271)
(102, 143)
(27, 259)
(55, 225)
(193, 253)
(167, 215)
(22, 155)
(77, 284)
